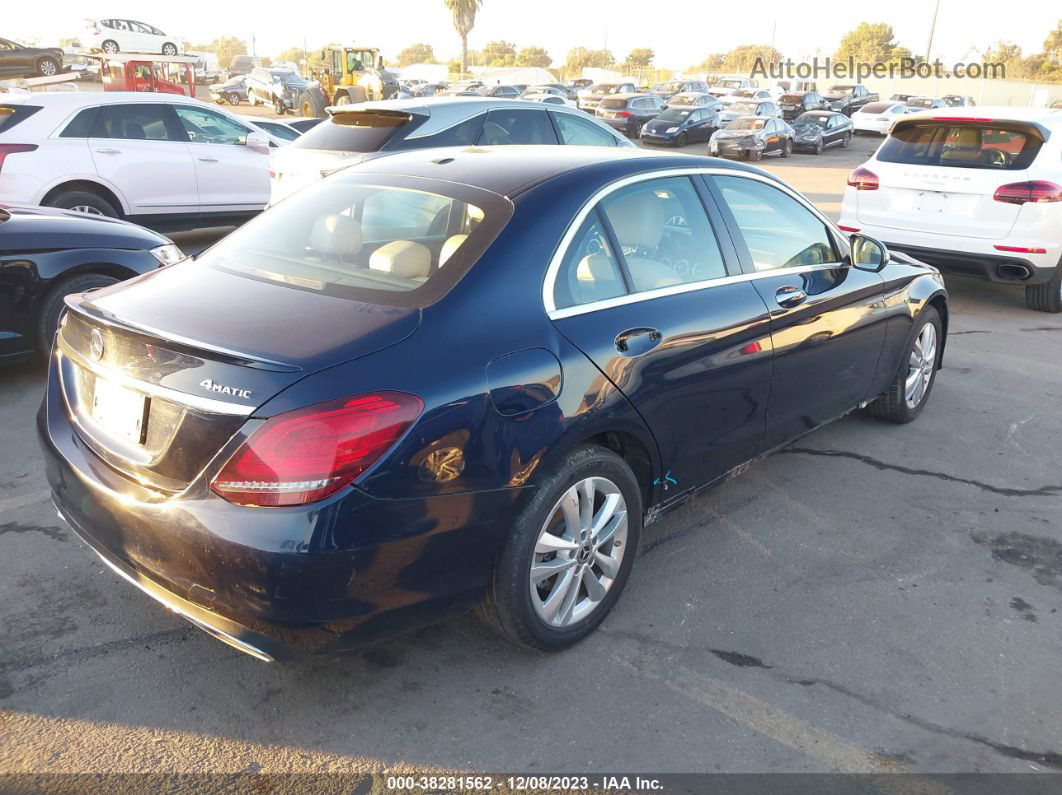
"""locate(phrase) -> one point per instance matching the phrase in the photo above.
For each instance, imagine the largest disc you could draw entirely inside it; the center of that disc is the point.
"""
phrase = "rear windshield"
(10, 115)
(792, 99)
(368, 242)
(742, 107)
(683, 99)
(613, 103)
(877, 107)
(360, 131)
(923, 102)
(961, 146)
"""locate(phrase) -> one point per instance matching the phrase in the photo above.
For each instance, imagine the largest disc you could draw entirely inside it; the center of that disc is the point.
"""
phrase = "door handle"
(109, 151)
(207, 159)
(790, 295)
(637, 341)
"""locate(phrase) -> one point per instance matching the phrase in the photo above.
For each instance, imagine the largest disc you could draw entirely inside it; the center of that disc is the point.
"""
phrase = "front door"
(232, 177)
(827, 318)
(140, 149)
(642, 291)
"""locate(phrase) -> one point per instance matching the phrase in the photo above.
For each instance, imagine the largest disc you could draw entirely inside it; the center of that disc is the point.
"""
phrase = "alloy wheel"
(86, 209)
(579, 551)
(47, 68)
(921, 366)
(110, 47)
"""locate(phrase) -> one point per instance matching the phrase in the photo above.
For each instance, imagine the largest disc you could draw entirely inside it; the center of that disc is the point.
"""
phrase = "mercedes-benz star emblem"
(96, 344)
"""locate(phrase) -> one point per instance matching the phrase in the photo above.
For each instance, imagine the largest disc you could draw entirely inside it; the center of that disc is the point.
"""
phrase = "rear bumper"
(275, 582)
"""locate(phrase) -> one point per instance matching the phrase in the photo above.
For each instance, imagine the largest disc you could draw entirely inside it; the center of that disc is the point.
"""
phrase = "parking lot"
(874, 598)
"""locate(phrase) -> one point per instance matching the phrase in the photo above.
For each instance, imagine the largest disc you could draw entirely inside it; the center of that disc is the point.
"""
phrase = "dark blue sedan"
(464, 378)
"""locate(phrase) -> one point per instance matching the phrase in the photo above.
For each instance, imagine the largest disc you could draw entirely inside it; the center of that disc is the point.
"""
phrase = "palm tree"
(464, 12)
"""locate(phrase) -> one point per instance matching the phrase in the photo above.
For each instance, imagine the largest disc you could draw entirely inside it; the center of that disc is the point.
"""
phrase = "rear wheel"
(278, 107)
(569, 555)
(755, 154)
(83, 201)
(110, 46)
(251, 98)
(819, 147)
(787, 149)
(46, 67)
(169, 49)
(53, 304)
(343, 99)
(909, 391)
(1046, 297)
(845, 139)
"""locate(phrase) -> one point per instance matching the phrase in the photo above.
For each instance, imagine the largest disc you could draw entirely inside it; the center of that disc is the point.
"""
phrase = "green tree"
(1053, 45)
(1009, 54)
(533, 56)
(640, 58)
(743, 57)
(293, 54)
(870, 42)
(464, 17)
(580, 58)
(713, 63)
(224, 47)
(416, 53)
(499, 53)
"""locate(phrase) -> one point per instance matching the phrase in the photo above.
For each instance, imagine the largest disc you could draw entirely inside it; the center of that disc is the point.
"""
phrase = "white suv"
(976, 191)
(161, 160)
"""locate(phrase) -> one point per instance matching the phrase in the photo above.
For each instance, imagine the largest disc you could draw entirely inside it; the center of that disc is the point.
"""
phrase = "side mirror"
(868, 254)
(258, 142)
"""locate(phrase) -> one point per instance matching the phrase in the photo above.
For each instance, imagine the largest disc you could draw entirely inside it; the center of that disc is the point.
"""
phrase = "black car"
(680, 126)
(628, 112)
(795, 104)
(46, 255)
(233, 91)
(17, 60)
(499, 92)
(818, 129)
(461, 378)
(752, 137)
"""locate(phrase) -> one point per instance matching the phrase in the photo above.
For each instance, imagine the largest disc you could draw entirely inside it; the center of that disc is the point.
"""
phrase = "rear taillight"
(623, 114)
(306, 455)
(1036, 190)
(863, 179)
(14, 149)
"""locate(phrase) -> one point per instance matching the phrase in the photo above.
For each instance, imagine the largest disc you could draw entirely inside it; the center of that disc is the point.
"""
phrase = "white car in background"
(279, 132)
(128, 35)
(161, 160)
(976, 191)
(550, 95)
(877, 117)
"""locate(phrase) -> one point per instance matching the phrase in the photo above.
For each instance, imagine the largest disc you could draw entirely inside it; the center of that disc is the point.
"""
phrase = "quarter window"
(575, 131)
(779, 231)
(590, 271)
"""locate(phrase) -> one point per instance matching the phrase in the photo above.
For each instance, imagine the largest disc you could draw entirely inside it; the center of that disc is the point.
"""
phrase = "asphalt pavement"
(875, 598)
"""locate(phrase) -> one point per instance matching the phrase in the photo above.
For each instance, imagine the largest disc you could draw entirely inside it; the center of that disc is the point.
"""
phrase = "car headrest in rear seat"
(336, 236)
(453, 242)
(638, 219)
(402, 258)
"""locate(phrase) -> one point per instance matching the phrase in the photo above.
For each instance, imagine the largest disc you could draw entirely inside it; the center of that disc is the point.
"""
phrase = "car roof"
(508, 170)
(1001, 113)
(79, 99)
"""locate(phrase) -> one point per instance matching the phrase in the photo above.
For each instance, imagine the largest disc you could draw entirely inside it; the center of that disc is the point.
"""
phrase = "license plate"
(788, 107)
(119, 411)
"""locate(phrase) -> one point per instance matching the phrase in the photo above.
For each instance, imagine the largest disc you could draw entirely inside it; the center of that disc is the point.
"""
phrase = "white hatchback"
(128, 35)
(878, 117)
(161, 160)
(976, 191)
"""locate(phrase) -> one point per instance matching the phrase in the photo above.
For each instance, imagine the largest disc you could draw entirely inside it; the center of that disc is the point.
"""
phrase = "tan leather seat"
(336, 236)
(449, 247)
(638, 220)
(402, 258)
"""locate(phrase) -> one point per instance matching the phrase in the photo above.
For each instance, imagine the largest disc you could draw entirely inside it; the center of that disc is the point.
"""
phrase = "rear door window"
(147, 121)
(358, 131)
(961, 146)
(516, 126)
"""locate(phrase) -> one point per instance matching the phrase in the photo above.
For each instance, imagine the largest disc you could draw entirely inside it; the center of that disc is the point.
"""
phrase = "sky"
(682, 33)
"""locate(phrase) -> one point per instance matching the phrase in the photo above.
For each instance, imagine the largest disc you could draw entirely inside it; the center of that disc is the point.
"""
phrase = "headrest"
(449, 247)
(336, 236)
(595, 268)
(402, 258)
(474, 213)
(638, 219)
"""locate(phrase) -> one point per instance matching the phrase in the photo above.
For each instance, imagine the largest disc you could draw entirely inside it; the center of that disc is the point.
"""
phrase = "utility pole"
(254, 52)
(932, 30)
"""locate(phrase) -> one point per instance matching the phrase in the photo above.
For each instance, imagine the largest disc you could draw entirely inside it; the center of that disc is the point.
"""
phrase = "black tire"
(845, 140)
(278, 107)
(233, 99)
(787, 150)
(819, 146)
(892, 406)
(1046, 297)
(507, 608)
(169, 49)
(46, 67)
(52, 306)
(681, 140)
(71, 199)
(110, 46)
(755, 154)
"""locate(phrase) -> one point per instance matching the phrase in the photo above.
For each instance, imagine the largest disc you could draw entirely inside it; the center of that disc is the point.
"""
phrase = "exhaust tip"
(1013, 272)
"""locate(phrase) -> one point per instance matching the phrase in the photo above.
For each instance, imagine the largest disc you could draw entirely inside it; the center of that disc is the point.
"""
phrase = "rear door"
(643, 291)
(827, 319)
(231, 176)
(141, 149)
(941, 176)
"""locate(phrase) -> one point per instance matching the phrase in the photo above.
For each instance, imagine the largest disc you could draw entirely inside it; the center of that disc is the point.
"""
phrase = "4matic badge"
(235, 391)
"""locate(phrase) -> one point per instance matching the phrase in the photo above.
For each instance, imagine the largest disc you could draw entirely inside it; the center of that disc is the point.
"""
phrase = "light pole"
(932, 30)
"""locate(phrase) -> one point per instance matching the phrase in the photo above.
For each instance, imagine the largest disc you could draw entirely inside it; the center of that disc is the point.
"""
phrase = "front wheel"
(909, 391)
(819, 147)
(278, 107)
(787, 150)
(234, 99)
(845, 139)
(110, 47)
(1046, 297)
(569, 555)
(169, 49)
(681, 140)
(755, 154)
(46, 67)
